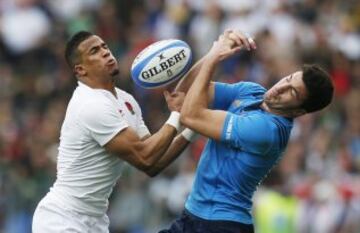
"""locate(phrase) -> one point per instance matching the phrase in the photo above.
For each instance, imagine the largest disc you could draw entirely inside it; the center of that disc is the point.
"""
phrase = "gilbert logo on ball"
(161, 63)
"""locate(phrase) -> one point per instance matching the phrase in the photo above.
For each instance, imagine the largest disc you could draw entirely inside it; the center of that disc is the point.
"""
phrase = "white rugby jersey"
(86, 173)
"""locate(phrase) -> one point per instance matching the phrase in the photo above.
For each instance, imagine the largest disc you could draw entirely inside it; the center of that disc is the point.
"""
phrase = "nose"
(106, 52)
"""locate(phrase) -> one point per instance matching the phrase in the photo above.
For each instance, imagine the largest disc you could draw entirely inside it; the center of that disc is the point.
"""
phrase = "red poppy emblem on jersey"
(130, 107)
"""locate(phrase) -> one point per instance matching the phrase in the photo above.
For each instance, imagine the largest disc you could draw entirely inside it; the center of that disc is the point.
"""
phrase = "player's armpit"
(207, 122)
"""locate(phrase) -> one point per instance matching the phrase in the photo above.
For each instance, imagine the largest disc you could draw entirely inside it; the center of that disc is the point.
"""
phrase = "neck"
(108, 85)
(275, 111)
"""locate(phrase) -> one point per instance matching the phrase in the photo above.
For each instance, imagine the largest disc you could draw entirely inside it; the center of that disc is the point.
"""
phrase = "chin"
(115, 72)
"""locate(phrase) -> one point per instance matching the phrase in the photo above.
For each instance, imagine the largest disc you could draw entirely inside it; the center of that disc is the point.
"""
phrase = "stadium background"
(316, 187)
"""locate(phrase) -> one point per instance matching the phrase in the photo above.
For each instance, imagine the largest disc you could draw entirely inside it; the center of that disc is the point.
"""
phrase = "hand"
(229, 43)
(174, 100)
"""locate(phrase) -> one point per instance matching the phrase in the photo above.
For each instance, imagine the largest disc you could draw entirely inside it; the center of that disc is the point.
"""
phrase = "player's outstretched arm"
(142, 154)
(175, 149)
(178, 144)
(185, 83)
(157, 151)
(195, 113)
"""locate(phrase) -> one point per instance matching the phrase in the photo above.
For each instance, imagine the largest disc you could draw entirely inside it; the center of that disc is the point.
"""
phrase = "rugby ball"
(161, 63)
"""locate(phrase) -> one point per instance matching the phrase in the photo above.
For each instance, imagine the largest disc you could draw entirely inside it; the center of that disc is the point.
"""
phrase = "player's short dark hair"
(71, 55)
(319, 88)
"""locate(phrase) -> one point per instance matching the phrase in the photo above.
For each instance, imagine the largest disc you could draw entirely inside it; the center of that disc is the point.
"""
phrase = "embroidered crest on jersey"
(130, 107)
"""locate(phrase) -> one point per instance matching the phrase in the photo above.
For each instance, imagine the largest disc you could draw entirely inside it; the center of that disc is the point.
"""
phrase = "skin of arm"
(237, 39)
(142, 154)
(194, 113)
(156, 152)
(177, 146)
(151, 154)
(185, 83)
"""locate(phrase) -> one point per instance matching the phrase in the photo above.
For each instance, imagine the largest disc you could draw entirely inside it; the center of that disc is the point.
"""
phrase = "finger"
(252, 42)
(244, 39)
(235, 38)
(227, 32)
(234, 50)
(221, 38)
(245, 42)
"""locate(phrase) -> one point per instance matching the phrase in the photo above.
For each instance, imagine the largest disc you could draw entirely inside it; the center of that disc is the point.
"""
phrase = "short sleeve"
(248, 132)
(142, 130)
(102, 120)
(226, 93)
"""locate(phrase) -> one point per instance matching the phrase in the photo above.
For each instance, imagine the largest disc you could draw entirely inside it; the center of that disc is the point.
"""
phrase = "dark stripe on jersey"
(284, 134)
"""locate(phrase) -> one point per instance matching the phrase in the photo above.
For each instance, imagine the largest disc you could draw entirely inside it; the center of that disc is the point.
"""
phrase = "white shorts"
(52, 217)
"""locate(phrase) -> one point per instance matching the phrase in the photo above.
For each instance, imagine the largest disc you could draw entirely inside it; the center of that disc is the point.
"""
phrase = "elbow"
(149, 170)
(144, 164)
(188, 119)
(184, 119)
(151, 173)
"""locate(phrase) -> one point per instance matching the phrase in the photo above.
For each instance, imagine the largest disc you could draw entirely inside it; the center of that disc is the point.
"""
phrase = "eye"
(94, 50)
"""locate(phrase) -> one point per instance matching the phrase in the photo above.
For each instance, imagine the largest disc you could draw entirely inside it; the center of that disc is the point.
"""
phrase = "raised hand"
(229, 43)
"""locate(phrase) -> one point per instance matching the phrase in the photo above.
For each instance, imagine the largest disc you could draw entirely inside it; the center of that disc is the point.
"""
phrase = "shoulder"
(125, 95)
(281, 127)
(240, 87)
(251, 87)
(86, 101)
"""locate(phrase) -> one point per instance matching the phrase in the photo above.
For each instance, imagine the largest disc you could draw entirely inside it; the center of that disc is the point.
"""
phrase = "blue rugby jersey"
(230, 170)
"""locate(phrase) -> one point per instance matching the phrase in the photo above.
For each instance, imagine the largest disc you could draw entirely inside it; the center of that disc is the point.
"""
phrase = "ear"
(79, 70)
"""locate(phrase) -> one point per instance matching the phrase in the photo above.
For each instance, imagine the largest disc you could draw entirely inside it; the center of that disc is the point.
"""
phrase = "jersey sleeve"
(251, 133)
(226, 93)
(142, 130)
(102, 120)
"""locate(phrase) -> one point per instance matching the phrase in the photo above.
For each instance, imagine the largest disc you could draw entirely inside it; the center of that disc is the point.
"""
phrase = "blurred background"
(315, 188)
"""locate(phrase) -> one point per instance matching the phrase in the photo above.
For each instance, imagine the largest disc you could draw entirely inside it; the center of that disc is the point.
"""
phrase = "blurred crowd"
(314, 189)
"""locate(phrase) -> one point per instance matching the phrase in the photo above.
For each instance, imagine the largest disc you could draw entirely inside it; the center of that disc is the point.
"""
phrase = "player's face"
(96, 58)
(287, 94)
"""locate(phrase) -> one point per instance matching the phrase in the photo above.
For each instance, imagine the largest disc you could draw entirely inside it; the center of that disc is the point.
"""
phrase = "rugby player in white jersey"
(103, 127)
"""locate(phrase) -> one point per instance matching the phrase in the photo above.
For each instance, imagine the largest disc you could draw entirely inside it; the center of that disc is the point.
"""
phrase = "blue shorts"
(188, 223)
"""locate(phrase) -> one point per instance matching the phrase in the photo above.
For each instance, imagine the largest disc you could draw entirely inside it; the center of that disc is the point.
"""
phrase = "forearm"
(177, 146)
(185, 83)
(154, 147)
(196, 99)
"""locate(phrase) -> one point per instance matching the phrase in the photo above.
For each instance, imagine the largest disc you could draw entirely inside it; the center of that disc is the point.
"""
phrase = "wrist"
(188, 134)
(211, 60)
(174, 120)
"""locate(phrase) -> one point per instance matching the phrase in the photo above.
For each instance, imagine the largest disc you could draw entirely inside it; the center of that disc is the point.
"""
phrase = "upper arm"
(252, 133)
(126, 144)
(142, 130)
(207, 122)
(102, 121)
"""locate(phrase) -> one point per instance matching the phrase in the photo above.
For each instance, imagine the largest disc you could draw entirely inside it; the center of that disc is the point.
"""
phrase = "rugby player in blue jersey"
(248, 129)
